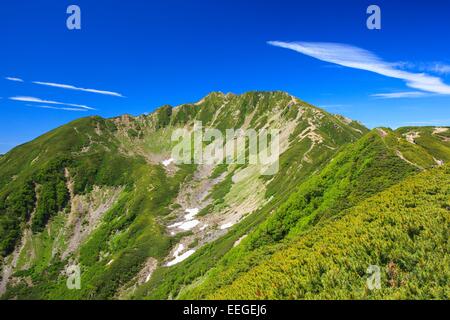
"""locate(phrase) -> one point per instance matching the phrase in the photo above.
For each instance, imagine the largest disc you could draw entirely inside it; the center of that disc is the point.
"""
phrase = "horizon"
(131, 58)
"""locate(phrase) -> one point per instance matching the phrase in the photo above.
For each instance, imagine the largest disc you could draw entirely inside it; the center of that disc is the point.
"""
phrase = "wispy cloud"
(45, 102)
(14, 79)
(441, 68)
(433, 67)
(396, 95)
(357, 58)
(56, 108)
(71, 87)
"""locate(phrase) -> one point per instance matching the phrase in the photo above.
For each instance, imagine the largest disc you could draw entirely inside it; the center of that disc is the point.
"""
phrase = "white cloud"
(14, 79)
(357, 58)
(394, 95)
(433, 67)
(71, 87)
(38, 100)
(56, 108)
(439, 68)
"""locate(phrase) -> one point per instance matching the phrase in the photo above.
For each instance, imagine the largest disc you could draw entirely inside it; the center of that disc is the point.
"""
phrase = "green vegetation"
(94, 193)
(404, 230)
(436, 142)
(243, 257)
(359, 171)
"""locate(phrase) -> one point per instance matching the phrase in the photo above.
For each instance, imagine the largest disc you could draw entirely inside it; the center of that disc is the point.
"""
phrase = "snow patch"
(226, 225)
(176, 225)
(178, 250)
(189, 221)
(191, 213)
(168, 161)
(188, 225)
(180, 258)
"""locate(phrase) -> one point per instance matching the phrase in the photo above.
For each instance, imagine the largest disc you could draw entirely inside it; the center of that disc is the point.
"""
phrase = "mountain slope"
(404, 230)
(436, 140)
(98, 193)
(105, 195)
(361, 170)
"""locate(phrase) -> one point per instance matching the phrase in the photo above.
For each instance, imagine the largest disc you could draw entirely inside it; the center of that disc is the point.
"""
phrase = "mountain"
(106, 195)
(361, 170)
(404, 230)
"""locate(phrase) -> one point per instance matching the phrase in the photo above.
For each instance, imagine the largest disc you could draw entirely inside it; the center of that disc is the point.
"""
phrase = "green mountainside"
(361, 170)
(105, 195)
(404, 230)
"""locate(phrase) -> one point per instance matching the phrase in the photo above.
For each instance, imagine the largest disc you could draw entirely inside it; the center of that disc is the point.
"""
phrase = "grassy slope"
(404, 230)
(128, 235)
(361, 170)
(36, 170)
(437, 144)
(89, 149)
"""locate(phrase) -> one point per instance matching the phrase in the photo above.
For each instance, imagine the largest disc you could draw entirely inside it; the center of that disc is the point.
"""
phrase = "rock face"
(108, 196)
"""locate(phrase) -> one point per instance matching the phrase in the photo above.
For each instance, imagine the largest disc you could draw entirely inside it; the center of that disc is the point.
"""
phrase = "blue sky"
(137, 55)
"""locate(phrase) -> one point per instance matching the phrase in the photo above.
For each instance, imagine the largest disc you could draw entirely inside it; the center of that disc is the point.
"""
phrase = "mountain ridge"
(102, 194)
